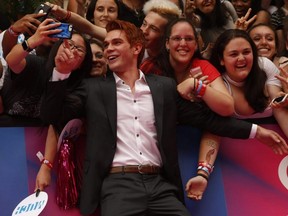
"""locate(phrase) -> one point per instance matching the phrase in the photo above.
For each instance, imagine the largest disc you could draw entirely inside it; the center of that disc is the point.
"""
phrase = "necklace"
(228, 79)
(134, 6)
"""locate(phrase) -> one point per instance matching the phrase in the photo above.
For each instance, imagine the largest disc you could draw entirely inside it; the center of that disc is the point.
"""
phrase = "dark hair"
(91, 9)
(218, 17)
(181, 6)
(77, 75)
(162, 60)
(133, 34)
(279, 3)
(285, 30)
(97, 42)
(256, 7)
(255, 81)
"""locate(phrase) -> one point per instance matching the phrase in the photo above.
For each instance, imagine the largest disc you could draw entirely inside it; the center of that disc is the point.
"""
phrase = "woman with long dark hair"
(235, 56)
(28, 73)
(181, 59)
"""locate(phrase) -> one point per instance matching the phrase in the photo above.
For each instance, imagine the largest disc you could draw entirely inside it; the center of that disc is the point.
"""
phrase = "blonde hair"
(162, 7)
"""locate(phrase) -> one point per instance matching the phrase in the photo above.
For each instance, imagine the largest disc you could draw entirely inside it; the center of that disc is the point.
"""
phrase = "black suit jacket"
(96, 98)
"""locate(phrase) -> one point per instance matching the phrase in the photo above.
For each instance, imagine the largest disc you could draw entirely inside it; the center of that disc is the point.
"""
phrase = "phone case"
(194, 71)
(66, 32)
(280, 99)
(42, 8)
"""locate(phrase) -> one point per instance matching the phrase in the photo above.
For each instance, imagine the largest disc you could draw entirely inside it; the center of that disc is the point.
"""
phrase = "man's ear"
(137, 48)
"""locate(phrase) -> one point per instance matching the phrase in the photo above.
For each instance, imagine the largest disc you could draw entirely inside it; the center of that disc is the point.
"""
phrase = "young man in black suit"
(131, 163)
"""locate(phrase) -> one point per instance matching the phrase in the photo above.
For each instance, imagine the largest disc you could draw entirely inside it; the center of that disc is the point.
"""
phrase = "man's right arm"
(199, 115)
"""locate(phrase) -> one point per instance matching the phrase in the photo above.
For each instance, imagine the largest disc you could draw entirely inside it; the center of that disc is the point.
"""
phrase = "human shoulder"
(271, 70)
(230, 9)
(267, 64)
(206, 67)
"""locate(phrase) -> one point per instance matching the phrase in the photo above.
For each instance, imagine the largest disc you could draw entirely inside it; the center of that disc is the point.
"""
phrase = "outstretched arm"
(27, 24)
(272, 140)
(16, 57)
(209, 147)
(79, 23)
(43, 178)
(199, 115)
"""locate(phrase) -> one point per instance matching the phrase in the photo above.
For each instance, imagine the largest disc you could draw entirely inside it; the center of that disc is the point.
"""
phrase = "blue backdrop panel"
(188, 147)
(13, 169)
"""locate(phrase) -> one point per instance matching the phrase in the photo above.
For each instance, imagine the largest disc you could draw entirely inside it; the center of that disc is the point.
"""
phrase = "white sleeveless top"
(271, 70)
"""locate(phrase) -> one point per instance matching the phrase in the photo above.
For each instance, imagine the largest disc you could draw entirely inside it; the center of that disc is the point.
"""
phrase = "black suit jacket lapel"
(110, 100)
(157, 95)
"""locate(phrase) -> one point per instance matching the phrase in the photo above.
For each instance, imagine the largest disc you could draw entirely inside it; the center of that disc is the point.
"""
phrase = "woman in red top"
(180, 58)
(198, 81)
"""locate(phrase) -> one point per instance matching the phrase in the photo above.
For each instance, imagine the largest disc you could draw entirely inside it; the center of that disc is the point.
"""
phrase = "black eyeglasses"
(72, 46)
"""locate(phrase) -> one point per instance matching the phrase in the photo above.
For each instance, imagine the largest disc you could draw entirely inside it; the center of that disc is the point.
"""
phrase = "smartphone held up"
(280, 99)
(66, 28)
(43, 8)
(66, 31)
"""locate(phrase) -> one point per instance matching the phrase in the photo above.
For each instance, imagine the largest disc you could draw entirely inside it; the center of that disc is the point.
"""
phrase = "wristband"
(12, 32)
(202, 91)
(47, 162)
(43, 160)
(195, 84)
(202, 175)
(199, 86)
(26, 46)
(205, 169)
(67, 17)
(204, 164)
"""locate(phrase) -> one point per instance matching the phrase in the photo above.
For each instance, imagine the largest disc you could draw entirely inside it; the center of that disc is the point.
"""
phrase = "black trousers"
(139, 195)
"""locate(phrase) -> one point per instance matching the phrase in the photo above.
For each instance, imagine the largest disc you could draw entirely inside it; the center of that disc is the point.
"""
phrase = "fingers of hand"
(247, 13)
(203, 78)
(280, 145)
(251, 20)
(194, 196)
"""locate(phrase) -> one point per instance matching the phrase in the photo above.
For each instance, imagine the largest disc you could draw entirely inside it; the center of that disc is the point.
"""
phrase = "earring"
(168, 50)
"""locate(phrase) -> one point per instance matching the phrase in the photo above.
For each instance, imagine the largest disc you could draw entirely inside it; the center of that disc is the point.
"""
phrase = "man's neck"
(129, 77)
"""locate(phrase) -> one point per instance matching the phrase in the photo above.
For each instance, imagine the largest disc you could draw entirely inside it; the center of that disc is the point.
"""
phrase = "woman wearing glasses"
(180, 58)
(25, 83)
(68, 55)
(198, 81)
